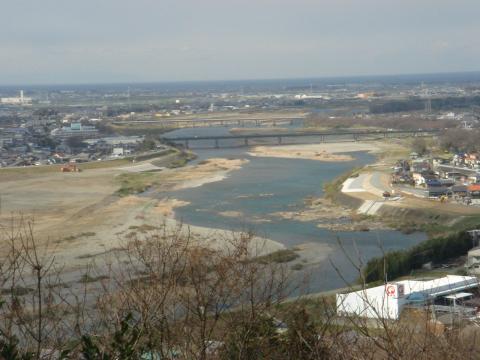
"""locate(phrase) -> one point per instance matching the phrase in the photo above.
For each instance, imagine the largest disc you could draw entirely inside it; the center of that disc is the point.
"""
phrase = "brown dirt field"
(78, 216)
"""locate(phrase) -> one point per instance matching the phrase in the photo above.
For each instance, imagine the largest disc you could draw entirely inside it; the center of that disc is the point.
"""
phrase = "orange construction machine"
(70, 167)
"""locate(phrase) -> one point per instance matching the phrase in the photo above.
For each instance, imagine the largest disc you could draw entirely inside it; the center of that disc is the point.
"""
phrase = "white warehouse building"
(16, 100)
(387, 301)
(75, 130)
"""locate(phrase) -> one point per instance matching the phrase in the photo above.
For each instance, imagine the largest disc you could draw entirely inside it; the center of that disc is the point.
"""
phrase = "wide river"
(268, 185)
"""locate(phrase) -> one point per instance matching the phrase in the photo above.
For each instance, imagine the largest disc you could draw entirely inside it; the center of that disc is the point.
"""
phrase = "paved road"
(354, 184)
(141, 168)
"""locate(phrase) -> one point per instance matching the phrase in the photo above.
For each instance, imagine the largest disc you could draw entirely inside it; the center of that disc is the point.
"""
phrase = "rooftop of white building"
(435, 287)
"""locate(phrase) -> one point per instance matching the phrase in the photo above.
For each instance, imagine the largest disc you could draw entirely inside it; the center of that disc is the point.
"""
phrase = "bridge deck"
(307, 134)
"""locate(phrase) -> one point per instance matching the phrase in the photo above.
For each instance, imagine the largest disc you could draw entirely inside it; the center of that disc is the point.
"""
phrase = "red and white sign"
(391, 290)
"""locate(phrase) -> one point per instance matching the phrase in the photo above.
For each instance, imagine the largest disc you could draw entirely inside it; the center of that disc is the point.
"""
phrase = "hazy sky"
(78, 41)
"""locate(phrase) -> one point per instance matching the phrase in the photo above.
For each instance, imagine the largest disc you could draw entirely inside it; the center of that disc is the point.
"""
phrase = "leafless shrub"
(190, 301)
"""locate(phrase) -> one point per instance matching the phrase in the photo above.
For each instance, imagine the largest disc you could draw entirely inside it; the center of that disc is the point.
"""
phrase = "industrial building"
(389, 300)
(20, 100)
(75, 130)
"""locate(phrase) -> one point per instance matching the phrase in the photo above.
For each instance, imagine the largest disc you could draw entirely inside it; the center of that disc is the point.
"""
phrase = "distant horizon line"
(332, 77)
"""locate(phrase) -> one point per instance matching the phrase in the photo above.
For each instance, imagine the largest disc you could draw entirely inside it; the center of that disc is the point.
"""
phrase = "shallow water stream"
(248, 197)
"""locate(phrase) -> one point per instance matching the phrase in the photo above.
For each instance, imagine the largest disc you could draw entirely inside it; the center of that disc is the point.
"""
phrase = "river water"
(268, 185)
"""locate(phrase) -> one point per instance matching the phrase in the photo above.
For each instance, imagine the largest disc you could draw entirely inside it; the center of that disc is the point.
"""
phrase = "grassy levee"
(332, 189)
(410, 220)
(16, 172)
(154, 155)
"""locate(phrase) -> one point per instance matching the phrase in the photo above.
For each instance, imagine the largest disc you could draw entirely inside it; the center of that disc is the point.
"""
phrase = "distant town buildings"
(366, 95)
(20, 100)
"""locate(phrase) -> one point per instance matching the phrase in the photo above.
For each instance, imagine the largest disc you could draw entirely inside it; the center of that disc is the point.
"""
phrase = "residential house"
(421, 178)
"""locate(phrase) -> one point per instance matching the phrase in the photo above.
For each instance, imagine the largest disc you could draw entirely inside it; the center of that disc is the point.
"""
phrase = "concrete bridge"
(207, 122)
(319, 136)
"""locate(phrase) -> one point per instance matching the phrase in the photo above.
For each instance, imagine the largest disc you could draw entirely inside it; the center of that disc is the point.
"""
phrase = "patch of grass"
(468, 223)
(86, 256)
(131, 235)
(182, 160)
(135, 183)
(58, 285)
(279, 257)
(143, 228)
(16, 291)
(19, 172)
(177, 163)
(140, 281)
(70, 238)
(158, 154)
(75, 237)
(297, 267)
(103, 164)
(332, 189)
(146, 228)
(431, 222)
(86, 278)
(87, 234)
(15, 173)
